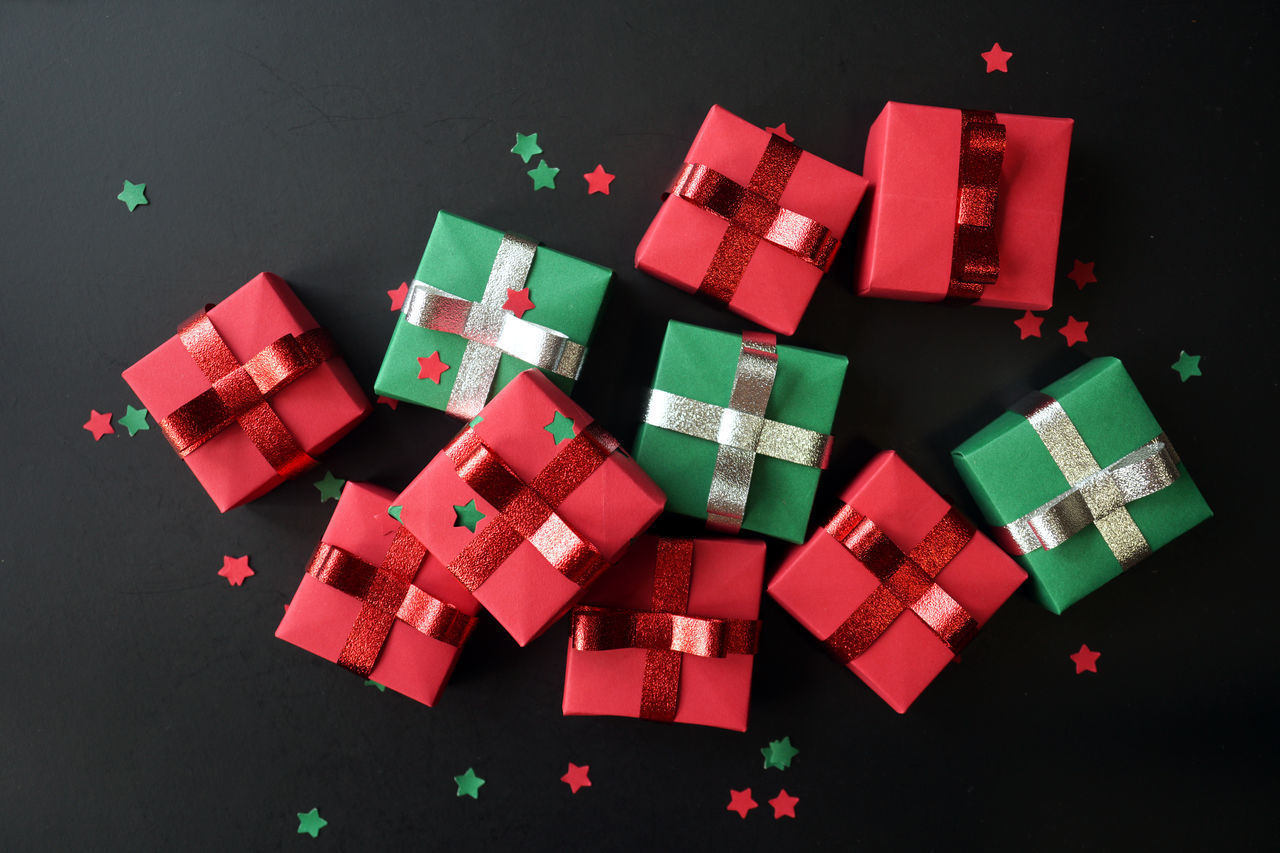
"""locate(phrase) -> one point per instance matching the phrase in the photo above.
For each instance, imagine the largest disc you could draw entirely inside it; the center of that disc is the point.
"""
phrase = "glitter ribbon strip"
(666, 632)
(240, 392)
(975, 259)
(387, 593)
(741, 430)
(490, 330)
(527, 510)
(753, 214)
(1097, 497)
(906, 582)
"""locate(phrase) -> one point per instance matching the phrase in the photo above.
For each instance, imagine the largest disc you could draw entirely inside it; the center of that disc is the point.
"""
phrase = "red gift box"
(913, 161)
(268, 392)
(701, 596)
(557, 503)
(694, 248)
(376, 602)
(871, 609)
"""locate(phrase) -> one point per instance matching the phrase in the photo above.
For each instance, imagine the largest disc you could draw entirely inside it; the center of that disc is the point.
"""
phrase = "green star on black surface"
(561, 428)
(310, 823)
(526, 146)
(779, 753)
(330, 487)
(369, 682)
(1187, 365)
(133, 195)
(544, 176)
(469, 784)
(134, 420)
(468, 515)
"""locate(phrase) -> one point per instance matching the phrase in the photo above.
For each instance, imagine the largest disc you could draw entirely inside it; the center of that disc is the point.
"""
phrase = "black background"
(147, 705)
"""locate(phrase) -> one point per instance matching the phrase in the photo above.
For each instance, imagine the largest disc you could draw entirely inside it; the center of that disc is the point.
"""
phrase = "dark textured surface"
(146, 704)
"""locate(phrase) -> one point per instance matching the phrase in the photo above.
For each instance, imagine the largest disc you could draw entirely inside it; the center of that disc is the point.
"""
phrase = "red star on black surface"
(997, 59)
(1086, 660)
(99, 424)
(1028, 325)
(784, 805)
(576, 777)
(781, 130)
(598, 180)
(1081, 273)
(236, 569)
(741, 802)
(1074, 331)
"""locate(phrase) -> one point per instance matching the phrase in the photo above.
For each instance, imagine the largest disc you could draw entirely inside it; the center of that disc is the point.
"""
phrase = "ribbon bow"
(491, 331)
(240, 392)
(666, 632)
(1097, 496)
(975, 259)
(741, 430)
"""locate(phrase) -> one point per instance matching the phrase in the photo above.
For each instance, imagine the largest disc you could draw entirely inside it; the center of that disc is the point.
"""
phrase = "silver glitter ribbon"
(741, 430)
(490, 331)
(1097, 497)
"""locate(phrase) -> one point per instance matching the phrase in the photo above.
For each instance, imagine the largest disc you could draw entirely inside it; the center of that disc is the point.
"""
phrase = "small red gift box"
(751, 221)
(932, 171)
(374, 601)
(896, 582)
(670, 634)
(528, 503)
(249, 391)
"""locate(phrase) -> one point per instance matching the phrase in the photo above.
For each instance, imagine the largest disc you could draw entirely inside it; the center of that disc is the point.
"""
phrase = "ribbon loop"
(975, 258)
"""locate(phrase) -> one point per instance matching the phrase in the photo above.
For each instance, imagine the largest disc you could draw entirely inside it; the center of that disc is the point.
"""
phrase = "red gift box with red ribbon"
(896, 583)
(751, 221)
(529, 503)
(965, 204)
(669, 634)
(375, 601)
(249, 391)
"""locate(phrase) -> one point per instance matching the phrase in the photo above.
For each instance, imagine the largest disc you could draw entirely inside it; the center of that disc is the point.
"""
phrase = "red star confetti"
(997, 59)
(1081, 273)
(576, 777)
(1086, 660)
(518, 301)
(781, 130)
(1028, 326)
(598, 180)
(784, 805)
(390, 402)
(99, 424)
(741, 802)
(1074, 331)
(398, 295)
(236, 569)
(431, 367)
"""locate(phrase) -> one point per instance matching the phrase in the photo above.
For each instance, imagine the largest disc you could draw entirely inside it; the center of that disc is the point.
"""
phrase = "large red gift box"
(870, 610)
(269, 383)
(688, 244)
(528, 503)
(622, 649)
(913, 161)
(403, 632)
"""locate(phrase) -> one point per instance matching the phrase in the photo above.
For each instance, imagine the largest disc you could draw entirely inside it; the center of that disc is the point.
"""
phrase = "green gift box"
(701, 364)
(1013, 475)
(465, 261)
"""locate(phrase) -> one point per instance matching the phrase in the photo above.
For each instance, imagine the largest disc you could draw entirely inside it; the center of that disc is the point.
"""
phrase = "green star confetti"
(544, 176)
(330, 487)
(468, 515)
(394, 512)
(1186, 366)
(475, 422)
(133, 195)
(779, 753)
(526, 146)
(134, 420)
(469, 784)
(310, 823)
(369, 682)
(561, 428)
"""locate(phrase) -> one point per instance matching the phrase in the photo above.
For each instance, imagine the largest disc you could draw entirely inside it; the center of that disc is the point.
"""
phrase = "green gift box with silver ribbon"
(1080, 482)
(735, 428)
(483, 307)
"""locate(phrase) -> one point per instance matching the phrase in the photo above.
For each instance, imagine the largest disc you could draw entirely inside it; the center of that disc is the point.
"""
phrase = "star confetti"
(99, 424)
(598, 180)
(997, 59)
(394, 512)
(1028, 326)
(1074, 331)
(779, 753)
(518, 301)
(1081, 273)
(369, 682)
(1187, 365)
(133, 195)
(526, 146)
(236, 569)
(576, 777)
(330, 487)
(310, 823)
(397, 296)
(1086, 660)
(741, 802)
(134, 420)
(561, 428)
(468, 515)
(389, 402)
(781, 130)
(431, 367)
(784, 805)
(544, 176)
(469, 784)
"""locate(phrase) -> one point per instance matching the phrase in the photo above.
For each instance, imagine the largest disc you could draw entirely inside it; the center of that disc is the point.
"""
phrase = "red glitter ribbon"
(240, 391)
(975, 259)
(753, 214)
(906, 582)
(666, 632)
(527, 510)
(388, 594)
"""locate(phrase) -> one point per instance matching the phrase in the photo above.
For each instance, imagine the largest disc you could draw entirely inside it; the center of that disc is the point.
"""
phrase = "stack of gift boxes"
(533, 512)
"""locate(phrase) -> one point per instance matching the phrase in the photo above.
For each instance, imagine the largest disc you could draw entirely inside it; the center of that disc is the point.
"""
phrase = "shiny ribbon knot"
(387, 593)
(753, 214)
(527, 510)
(1097, 496)
(491, 331)
(740, 429)
(906, 582)
(975, 258)
(240, 392)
